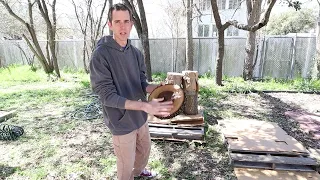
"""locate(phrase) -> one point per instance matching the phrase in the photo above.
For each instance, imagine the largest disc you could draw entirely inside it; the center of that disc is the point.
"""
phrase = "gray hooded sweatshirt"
(117, 74)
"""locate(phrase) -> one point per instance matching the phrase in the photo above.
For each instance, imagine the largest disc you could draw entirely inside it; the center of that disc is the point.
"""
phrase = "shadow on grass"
(277, 115)
(195, 161)
(6, 171)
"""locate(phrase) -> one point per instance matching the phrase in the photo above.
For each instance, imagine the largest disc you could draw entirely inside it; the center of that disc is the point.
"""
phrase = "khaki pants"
(132, 151)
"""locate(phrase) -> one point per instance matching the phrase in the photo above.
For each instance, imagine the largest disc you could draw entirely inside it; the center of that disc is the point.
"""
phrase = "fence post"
(1, 56)
(199, 56)
(75, 54)
(172, 55)
(259, 57)
(265, 49)
(5, 53)
(293, 56)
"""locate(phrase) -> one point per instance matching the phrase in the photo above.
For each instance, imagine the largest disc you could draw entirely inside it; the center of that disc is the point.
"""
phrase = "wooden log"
(174, 78)
(190, 81)
(190, 88)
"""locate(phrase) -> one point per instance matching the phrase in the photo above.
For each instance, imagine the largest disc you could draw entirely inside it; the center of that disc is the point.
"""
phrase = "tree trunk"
(253, 17)
(189, 41)
(250, 49)
(84, 49)
(145, 39)
(220, 56)
(40, 56)
(146, 52)
(318, 44)
(191, 89)
(51, 26)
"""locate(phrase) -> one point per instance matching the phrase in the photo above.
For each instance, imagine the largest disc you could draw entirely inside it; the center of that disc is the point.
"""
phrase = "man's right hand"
(156, 107)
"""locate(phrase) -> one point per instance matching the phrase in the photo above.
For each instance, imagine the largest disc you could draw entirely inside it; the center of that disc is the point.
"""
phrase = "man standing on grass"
(117, 73)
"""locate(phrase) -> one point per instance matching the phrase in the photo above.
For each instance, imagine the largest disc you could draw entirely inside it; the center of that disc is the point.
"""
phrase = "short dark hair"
(118, 7)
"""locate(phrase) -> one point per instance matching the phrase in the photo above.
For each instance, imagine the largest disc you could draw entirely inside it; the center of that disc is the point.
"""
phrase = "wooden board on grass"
(259, 174)
(4, 115)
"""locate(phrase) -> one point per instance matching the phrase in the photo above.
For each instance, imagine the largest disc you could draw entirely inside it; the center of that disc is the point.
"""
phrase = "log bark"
(174, 78)
(190, 88)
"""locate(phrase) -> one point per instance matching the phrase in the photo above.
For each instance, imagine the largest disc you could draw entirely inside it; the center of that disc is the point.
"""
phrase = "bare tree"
(254, 23)
(221, 28)
(176, 18)
(10, 28)
(29, 58)
(90, 26)
(48, 62)
(175, 23)
(140, 23)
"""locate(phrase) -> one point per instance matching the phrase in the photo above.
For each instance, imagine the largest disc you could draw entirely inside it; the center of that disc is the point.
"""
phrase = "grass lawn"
(56, 145)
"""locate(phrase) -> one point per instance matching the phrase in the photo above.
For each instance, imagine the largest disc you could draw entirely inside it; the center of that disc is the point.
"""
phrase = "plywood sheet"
(259, 174)
(259, 136)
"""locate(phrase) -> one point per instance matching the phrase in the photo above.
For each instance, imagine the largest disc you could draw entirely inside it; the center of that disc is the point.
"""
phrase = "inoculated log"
(191, 89)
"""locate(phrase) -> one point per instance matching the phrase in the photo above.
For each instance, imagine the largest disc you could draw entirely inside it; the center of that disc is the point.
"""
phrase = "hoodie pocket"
(115, 115)
(124, 117)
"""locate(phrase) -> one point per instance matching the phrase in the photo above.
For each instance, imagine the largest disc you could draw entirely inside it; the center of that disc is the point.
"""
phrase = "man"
(117, 73)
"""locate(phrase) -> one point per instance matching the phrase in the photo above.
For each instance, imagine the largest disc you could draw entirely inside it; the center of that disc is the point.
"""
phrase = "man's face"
(121, 25)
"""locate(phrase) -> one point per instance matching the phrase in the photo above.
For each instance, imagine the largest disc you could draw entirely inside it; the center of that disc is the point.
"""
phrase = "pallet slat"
(261, 174)
(178, 126)
(179, 119)
(177, 133)
(273, 159)
(270, 166)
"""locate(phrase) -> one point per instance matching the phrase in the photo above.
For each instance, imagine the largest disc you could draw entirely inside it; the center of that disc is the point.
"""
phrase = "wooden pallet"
(272, 161)
(176, 132)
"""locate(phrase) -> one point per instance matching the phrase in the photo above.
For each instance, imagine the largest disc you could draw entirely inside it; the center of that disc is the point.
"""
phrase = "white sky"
(156, 15)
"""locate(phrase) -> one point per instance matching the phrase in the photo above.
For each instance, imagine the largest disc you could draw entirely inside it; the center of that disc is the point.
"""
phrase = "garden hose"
(10, 132)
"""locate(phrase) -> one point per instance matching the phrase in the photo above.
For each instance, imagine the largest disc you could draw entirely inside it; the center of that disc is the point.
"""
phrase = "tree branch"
(237, 9)
(6, 5)
(256, 26)
(100, 19)
(216, 14)
(249, 6)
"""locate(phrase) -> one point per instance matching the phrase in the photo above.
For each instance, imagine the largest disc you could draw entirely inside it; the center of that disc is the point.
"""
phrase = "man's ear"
(109, 24)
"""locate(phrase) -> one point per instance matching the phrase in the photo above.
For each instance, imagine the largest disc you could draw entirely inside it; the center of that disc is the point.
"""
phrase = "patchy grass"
(57, 146)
